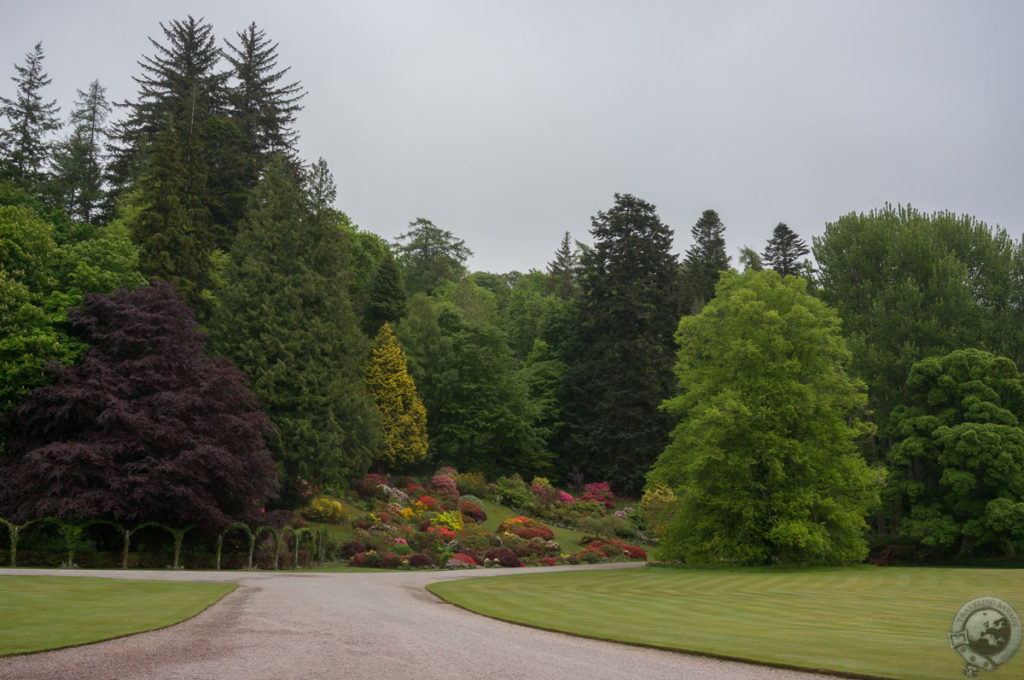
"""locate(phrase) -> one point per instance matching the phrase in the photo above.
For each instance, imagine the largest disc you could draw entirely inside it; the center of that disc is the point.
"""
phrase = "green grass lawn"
(889, 622)
(47, 612)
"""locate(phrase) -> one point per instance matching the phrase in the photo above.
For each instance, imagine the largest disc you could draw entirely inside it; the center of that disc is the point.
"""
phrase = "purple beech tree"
(146, 427)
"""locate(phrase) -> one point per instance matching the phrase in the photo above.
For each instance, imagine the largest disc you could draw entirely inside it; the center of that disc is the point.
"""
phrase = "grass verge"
(886, 622)
(47, 612)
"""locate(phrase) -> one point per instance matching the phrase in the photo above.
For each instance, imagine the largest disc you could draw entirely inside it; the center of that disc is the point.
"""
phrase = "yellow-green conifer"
(403, 417)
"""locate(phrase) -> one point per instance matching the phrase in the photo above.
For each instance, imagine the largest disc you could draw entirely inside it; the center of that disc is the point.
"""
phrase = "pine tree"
(705, 260)
(784, 251)
(260, 103)
(24, 142)
(620, 365)
(403, 417)
(78, 167)
(285, 319)
(430, 256)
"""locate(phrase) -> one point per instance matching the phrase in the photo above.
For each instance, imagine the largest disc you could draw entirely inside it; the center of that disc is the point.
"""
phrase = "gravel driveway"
(356, 625)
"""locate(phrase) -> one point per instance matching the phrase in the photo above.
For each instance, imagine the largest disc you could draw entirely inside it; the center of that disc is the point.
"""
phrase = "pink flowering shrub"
(447, 471)
(600, 492)
(565, 498)
(460, 561)
(368, 486)
(473, 509)
(444, 485)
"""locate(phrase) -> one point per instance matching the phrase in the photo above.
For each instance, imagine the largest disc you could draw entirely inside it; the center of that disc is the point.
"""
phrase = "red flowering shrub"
(420, 560)
(467, 556)
(429, 502)
(600, 492)
(368, 486)
(415, 489)
(460, 561)
(471, 554)
(472, 509)
(524, 527)
(548, 561)
(610, 548)
(504, 557)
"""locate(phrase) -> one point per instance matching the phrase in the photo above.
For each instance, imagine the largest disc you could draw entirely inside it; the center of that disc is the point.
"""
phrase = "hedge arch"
(298, 534)
(72, 531)
(13, 529)
(178, 534)
(277, 534)
(231, 527)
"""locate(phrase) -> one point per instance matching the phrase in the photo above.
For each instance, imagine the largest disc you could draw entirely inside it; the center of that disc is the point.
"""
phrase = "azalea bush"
(325, 509)
(471, 507)
(524, 527)
(600, 492)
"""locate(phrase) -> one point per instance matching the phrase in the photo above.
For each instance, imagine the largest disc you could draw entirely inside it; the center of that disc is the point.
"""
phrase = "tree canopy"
(763, 459)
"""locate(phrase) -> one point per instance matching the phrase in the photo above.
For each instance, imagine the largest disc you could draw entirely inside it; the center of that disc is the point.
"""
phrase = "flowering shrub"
(565, 498)
(548, 561)
(524, 527)
(444, 534)
(543, 492)
(611, 548)
(352, 548)
(369, 486)
(306, 487)
(444, 485)
(428, 502)
(325, 509)
(600, 492)
(504, 557)
(460, 561)
(415, 489)
(471, 554)
(420, 560)
(471, 483)
(448, 471)
(451, 519)
(472, 508)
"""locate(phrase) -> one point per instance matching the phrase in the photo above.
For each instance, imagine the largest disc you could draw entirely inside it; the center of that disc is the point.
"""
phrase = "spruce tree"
(784, 251)
(285, 319)
(24, 141)
(620, 363)
(430, 256)
(403, 417)
(562, 270)
(387, 295)
(705, 260)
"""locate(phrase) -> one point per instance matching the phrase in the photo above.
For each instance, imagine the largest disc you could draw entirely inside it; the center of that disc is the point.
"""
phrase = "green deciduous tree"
(403, 417)
(285, 319)
(25, 146)
(908, 286)
(959, 455)
(621, 354)
(763, 459)
(705, 260)
(784, 251)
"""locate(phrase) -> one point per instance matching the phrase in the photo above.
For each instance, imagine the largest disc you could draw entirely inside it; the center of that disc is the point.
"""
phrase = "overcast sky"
(509, 123)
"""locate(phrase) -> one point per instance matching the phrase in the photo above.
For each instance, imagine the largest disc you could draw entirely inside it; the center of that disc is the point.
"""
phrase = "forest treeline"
(191, 329)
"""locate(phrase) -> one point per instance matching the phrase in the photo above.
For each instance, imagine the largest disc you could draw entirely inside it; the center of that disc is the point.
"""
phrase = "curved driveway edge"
(384, 625)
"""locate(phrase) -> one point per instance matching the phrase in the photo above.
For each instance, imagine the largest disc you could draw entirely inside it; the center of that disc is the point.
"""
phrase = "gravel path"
(354, 626)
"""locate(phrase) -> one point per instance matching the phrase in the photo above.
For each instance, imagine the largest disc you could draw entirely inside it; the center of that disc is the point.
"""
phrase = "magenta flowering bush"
(444, 485)
(600, 492)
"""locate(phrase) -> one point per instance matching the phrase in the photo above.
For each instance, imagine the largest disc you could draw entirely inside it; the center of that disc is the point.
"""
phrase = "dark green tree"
(78, 165)
(387, 296)
(261, 104)
(959, 455)
(705, 261)
(25, 145)
(285, 319)
(429, 256)
(750, 259)
(763, 460)
(621, 355)
(784, 251)
(563, 269)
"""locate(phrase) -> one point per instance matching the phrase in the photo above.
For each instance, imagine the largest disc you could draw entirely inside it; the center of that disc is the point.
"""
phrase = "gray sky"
(509, 123)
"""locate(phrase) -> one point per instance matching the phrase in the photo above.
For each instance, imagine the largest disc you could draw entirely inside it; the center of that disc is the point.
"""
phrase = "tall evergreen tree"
(429, 256)
(78, 165)
(562, 270)
(403, 416)
(705, 260)
(261, 104)
(620, 366)
(285, 319)
(387, 295)
(784, 251)
(24, 142)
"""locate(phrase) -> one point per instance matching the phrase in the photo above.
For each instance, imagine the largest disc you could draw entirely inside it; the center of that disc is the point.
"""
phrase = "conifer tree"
(263, 107)
(620, 362)
(784, 251)
(705, 260)
(24, 142)
(430, 256)
(78, 166)
(387, 295)
(403, 417)
(285, 319)
(562, 271)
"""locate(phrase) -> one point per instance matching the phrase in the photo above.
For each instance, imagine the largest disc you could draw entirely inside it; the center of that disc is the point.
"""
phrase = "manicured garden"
(888, 622)
(48, 612)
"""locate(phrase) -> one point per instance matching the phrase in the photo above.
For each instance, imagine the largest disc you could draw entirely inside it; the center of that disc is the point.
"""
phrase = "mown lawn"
(47, 612)
(889, 622)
